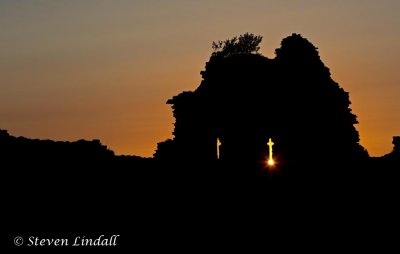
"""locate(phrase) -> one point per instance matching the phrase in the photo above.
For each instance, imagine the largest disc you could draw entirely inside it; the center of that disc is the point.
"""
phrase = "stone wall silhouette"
(244, 99)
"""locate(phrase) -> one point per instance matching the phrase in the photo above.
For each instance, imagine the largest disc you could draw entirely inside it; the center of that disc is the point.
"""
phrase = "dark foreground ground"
(50, 191)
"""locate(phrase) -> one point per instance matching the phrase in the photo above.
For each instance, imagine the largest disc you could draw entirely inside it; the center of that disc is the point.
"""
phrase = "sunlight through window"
(218, 145)
(270, 160)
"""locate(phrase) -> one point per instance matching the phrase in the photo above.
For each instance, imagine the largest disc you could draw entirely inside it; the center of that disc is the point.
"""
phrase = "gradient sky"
(104, 69)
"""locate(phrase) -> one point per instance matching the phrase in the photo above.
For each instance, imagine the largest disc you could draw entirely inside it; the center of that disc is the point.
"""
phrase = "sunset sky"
(97, 69)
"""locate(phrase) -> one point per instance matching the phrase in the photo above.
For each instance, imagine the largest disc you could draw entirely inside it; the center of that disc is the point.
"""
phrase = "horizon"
(101, 70)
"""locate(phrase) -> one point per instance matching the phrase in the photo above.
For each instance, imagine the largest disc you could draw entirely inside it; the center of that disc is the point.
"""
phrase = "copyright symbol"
(18, 241)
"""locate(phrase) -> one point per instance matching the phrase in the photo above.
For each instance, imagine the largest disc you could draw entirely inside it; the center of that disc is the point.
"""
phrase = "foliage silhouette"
(244, 44)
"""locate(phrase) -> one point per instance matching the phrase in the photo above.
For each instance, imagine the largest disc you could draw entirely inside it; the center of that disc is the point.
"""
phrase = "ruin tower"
(245, 98)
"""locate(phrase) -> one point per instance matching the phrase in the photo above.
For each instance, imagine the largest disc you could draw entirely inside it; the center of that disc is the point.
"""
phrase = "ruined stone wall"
(246, 99)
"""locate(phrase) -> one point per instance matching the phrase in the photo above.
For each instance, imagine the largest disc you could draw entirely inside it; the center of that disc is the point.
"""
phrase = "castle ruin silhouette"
(245, 98)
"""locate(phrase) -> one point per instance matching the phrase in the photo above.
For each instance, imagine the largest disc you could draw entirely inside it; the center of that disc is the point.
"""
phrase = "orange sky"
(104, 69)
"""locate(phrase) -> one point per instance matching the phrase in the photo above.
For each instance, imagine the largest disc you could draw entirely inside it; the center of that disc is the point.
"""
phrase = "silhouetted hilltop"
(22, 149)
(66, 167)
(59, 157)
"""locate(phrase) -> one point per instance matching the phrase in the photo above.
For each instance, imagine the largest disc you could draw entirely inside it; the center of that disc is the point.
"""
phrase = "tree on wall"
(247, 43)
